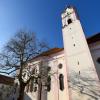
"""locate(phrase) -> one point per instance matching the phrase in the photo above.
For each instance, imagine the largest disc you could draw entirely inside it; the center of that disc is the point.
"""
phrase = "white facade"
(95, 52)
(55, 93)
(53, 61)
(79, 80)
(81, 71)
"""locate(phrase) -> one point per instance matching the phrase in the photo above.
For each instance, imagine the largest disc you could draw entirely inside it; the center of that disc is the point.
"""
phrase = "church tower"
(82, 77)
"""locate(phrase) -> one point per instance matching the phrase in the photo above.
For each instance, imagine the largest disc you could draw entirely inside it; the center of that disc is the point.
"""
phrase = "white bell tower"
(81, 73)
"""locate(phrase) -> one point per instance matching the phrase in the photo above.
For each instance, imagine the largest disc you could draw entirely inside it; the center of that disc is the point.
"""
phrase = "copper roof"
(6, 80)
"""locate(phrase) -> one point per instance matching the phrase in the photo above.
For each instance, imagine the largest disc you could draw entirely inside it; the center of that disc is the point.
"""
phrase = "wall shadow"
(26, 97)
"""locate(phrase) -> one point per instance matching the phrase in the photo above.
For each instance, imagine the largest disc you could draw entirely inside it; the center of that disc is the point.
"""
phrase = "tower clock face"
(69, 11)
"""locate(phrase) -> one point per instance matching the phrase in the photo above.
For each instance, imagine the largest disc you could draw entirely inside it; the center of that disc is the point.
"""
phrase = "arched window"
(35, 88)
(69, 21)
(34, 70)
(27, 88)
(31, 86)
(48, 68)
(61, 82)
(48, 83)
(36, 80)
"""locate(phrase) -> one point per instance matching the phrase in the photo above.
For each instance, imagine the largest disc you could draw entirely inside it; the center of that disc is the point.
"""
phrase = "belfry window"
(61, 82)
(48, 83)
(69, 21)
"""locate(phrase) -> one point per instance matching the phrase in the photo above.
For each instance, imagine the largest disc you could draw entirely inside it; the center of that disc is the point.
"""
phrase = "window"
(78, 63)
(98, 60)
(31, 86)
(27, 88)
(61, 82)
(60, 66)
(74, 45)
(33, 71)
(48, 83)
(24, 75)
(35, 89)
(35, 80)
(69, 21)
(79, 72)
(48, 68)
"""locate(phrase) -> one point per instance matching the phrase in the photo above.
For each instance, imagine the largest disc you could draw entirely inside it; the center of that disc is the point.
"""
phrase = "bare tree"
(16, 55)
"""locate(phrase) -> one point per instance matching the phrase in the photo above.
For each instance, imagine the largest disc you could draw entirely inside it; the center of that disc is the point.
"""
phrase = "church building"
(72, 73)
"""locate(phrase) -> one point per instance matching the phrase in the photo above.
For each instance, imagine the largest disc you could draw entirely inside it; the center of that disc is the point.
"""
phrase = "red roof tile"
(90, 40)
(6, 80)
(93, 38)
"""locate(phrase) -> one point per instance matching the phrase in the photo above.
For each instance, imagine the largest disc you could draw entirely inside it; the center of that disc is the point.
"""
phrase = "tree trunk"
(40, 90)
(21, 92)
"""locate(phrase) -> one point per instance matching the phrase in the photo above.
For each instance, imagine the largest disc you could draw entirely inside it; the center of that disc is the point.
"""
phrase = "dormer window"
(69, 21)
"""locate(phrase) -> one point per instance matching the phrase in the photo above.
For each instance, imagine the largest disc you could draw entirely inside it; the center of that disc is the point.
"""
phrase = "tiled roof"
(93, 38)
(56, 50)
(6, 80)
(49, 52)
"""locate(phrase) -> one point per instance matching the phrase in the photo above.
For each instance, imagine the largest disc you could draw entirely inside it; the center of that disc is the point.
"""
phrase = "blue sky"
(44, 18)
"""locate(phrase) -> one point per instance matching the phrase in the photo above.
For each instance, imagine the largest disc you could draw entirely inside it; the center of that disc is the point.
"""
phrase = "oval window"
(60, 66)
